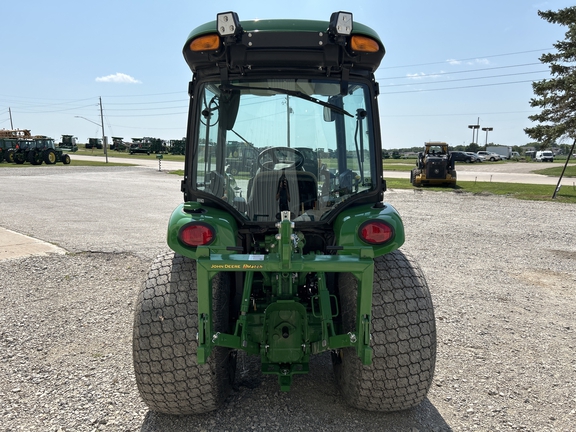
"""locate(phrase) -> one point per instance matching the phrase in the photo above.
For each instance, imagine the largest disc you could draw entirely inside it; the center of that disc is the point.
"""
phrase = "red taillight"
(376, 232)
(196, 234)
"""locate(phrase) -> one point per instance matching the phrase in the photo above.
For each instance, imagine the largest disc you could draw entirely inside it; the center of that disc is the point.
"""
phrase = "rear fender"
(224, 225)
(348, 223)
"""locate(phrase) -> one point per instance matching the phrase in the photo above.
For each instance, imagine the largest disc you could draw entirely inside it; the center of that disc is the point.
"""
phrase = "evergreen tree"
(556, 97)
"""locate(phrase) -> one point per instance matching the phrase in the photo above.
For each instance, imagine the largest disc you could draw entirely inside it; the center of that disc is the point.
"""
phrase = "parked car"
(460, 156)
(515, 155)
(478, 158)
(492, 157)
(544, 156)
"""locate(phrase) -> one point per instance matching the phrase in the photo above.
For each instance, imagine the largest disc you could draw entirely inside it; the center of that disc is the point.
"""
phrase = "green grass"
(566, 194)
(408, 164)
(556, 171)
(405, 165)
(114, 153)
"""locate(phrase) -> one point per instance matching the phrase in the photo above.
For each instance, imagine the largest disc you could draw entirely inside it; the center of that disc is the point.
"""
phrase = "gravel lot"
(502, 273)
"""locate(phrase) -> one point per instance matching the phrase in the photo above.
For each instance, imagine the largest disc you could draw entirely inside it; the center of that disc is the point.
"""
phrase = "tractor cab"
(301, 97)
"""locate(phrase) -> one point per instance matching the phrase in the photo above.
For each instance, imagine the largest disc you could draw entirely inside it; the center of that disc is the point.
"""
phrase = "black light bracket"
(340, 26)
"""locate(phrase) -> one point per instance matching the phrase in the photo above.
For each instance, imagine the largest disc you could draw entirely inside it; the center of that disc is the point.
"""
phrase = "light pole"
(473, 127)
(487, 129)
(103, 137)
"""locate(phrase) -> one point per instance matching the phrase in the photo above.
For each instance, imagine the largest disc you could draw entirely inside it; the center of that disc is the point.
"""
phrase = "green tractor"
(21, 149)
(177, 147)
(9, 139)
(139, 145)
(284, 263)
(94, 143)
(7, 146)
(39, 149)
(118, 144)
(68, 143)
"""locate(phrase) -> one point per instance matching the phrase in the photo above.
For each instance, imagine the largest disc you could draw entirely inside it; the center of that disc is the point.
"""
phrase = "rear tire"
(403, 338)
(10, 155)
(168, 376)
(413, 174)
(19, 158)
(49, 157)
(34, 158)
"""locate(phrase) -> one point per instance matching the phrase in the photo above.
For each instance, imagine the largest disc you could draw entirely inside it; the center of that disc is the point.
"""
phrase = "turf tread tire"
(403, 338)
(169, 379)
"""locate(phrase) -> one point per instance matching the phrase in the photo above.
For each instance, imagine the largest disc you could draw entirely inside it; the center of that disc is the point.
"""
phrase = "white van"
(544, 156)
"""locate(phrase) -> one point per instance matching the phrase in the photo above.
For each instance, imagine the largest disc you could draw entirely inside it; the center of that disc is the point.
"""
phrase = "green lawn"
(126, 155)
(566, 194)
(556, 171)
(537, 167)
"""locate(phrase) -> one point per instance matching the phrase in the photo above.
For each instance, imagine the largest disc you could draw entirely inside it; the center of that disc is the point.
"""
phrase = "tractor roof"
(284, 44)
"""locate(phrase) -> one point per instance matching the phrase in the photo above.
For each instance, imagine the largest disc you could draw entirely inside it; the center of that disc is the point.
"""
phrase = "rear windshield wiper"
(294, 93)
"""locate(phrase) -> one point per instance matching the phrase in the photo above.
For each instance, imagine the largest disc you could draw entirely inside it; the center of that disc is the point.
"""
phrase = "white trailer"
(505, 152)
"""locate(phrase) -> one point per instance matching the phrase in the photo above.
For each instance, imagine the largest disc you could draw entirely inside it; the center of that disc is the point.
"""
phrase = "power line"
(150, 115)
(467, 59)
(458, 88)
(464, 79)
(456, 114)
(458, 72)
(24, 110)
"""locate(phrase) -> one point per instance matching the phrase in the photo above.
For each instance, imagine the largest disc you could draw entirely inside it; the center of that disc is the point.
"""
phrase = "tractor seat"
(262, 203)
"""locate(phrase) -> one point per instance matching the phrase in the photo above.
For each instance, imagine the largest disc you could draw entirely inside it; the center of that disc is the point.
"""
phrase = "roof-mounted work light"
(228, 24)
(341, 23)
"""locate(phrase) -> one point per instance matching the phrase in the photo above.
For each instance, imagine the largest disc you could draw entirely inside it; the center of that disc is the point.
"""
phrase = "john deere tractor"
(9, 142)
(7, 149)
(38, 149)
(285, 262)
(434, 166)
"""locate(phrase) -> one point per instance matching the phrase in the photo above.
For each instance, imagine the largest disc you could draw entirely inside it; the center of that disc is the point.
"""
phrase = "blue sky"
(448, 63)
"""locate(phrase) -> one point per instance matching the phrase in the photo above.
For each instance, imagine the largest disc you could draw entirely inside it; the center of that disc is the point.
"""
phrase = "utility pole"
(103, 136)
(10, 112)
(288, 119)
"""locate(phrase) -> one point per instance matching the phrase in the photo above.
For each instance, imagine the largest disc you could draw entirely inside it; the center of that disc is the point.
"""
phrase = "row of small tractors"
(20, 146)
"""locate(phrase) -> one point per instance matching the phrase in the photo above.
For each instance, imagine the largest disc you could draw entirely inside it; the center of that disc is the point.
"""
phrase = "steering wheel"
(278, 158)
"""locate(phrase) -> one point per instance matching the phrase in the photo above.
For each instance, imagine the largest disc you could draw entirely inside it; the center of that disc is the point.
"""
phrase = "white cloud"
(482, 61)
(415, 76)
(478, 62)
(118, 78)
(422, 75)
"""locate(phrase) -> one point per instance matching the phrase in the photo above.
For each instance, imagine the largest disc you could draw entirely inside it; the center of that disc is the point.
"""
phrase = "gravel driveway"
(502, 273)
